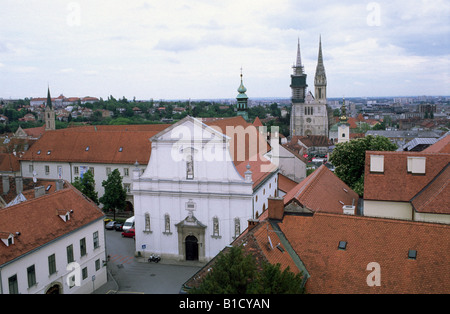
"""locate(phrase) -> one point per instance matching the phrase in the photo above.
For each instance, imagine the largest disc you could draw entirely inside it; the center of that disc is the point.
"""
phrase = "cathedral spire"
(49, 99)
(320, 80)
(298, 67)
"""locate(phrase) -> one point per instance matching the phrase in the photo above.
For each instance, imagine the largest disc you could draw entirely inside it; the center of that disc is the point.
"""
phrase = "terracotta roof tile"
(285, 184)
(38, 224)
(322, 191)
(386, 242)
(435, 197)
(396, 183)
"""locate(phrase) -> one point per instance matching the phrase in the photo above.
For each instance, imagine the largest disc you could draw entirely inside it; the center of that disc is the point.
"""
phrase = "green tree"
(235, 272)
(115, 195)
(86, 185)
(349, 159)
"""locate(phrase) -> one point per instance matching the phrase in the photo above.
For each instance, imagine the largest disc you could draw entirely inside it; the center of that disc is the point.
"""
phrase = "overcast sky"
(194, 49)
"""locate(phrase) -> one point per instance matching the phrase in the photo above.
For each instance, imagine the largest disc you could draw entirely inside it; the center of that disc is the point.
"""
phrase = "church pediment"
(190, 129)
(190, 221)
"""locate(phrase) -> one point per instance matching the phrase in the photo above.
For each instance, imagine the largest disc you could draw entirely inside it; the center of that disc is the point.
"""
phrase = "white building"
(200, 188)
(69, 153)
(52, 243)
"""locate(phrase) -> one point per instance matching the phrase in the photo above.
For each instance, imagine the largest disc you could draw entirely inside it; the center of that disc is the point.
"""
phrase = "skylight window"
(342, 245)
(412, 254)
(87, 148)
(120, 149)
(38, 152)
(49, 152)
(48, 188)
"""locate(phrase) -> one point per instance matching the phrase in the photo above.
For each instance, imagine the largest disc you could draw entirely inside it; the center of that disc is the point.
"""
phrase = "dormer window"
(7, 238)
(64, 214)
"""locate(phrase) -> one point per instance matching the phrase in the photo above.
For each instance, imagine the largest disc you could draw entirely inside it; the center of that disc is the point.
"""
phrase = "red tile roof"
(86, 145)
(260, 167)
(285, 184)
(38, 224)
(9, 163)
(435, 197)
(396, 184)
(322, 191)
(386, 242)
(441, 146)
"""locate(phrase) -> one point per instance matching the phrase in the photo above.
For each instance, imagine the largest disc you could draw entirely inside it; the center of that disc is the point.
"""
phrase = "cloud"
(203, 40)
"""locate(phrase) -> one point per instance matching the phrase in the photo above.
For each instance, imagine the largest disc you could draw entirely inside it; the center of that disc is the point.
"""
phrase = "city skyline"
(195, 49)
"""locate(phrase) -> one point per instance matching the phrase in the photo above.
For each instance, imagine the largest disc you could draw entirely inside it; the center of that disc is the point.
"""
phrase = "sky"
(154, 49)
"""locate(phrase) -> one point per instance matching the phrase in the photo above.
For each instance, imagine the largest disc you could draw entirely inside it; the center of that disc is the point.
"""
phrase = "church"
(205, 180)
(309, 112)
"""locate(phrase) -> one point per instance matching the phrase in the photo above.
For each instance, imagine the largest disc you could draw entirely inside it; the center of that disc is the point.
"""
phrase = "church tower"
(298, 87)
(242, 100)
(343, 126)
(49, 114)
(320, 81)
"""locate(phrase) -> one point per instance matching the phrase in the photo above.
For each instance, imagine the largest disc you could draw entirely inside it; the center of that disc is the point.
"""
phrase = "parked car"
(128, 234)
(118, 226)
(110, 225)
(129, 223)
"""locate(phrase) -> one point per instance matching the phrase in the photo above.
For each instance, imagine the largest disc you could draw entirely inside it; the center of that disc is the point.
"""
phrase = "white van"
(129, 223)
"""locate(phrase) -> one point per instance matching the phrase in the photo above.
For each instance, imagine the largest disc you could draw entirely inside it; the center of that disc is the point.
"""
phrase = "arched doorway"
(54, 289)
(191, 248)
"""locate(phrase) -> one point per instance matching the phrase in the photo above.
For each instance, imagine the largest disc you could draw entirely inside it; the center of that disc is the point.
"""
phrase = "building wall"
(68, 171)
(397, 210)
(39, 258)
(291, 166)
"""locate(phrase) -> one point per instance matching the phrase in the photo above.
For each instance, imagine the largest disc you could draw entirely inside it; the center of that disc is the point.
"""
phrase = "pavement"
(128, 274)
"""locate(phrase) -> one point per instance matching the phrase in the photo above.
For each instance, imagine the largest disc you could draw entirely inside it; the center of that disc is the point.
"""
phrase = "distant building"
(309, 114)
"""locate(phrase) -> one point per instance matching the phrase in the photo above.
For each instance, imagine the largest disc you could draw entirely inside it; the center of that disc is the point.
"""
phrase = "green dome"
(241, 90)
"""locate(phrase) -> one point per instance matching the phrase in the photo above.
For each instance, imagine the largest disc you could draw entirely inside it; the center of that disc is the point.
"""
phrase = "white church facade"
(195, 197)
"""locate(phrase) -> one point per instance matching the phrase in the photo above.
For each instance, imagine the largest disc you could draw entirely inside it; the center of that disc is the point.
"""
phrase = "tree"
(349, 159)
(235, 272)
(115, 195)
(86, 185)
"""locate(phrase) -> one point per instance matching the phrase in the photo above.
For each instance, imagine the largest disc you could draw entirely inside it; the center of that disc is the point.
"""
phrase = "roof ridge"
(383, 219)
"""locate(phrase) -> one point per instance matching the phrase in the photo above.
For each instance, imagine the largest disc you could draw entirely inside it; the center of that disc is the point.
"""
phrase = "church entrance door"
(191, 248)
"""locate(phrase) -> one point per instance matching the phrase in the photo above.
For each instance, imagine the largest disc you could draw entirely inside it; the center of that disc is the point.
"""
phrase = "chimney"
(59, 185)
(19, 185)
(5, 182)
(39, 191)
(276, 208)
(252, 223)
